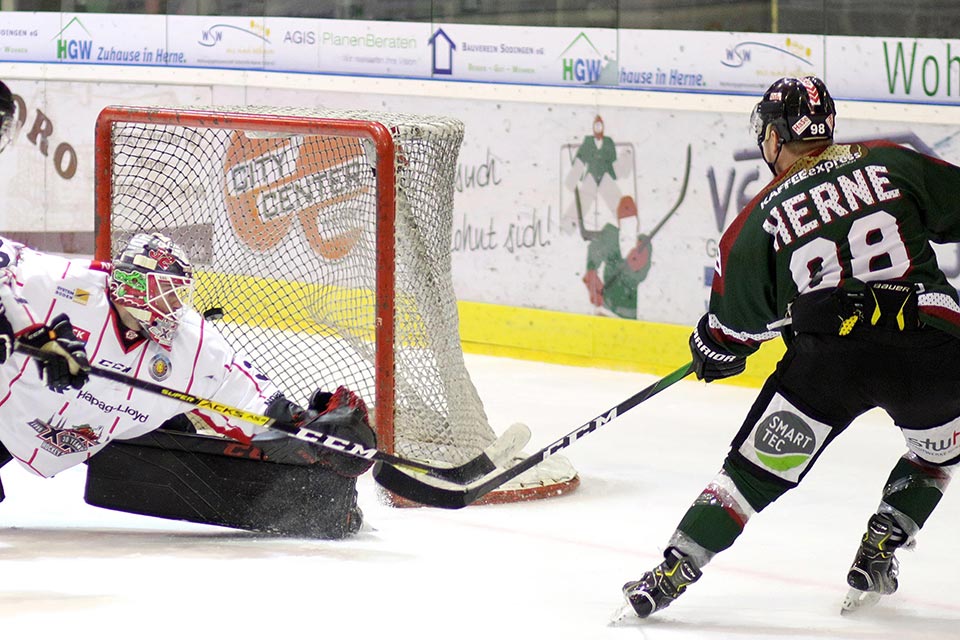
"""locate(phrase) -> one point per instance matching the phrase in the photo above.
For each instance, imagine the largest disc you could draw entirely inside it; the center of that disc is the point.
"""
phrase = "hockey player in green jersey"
(834, 254)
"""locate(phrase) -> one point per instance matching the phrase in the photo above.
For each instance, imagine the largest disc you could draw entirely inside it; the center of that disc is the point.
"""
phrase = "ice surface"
(550, 569)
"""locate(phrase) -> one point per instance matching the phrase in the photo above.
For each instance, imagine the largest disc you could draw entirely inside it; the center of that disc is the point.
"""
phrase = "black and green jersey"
(839, 217)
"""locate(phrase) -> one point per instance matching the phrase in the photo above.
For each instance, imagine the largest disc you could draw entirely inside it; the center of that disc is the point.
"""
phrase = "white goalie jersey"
(49, 431)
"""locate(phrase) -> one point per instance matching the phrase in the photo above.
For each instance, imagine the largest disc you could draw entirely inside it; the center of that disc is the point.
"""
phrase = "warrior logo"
(60, 441)
(784, 441)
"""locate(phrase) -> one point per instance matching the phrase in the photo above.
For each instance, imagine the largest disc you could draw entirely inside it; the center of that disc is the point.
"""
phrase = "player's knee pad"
(938, 446)
(211, 480)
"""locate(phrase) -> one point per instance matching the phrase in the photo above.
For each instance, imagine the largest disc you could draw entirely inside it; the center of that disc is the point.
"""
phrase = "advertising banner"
(27, 36)
(529, 55)
(716, 62)
(912, 70)
(554, 203)
(375, 48)
(217, 41)
(81, 38)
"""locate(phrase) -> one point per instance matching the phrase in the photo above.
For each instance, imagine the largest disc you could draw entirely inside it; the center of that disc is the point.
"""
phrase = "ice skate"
(657, 589)
(874, 571)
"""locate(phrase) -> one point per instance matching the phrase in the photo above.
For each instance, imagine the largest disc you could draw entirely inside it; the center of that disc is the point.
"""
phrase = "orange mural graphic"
(322, 181)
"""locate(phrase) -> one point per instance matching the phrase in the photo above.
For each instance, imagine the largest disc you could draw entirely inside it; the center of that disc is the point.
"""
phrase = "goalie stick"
(507, 445)
(435, 495)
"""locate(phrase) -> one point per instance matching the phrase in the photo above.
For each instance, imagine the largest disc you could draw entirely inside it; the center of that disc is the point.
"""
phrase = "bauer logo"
(784, 441)
(270, 183)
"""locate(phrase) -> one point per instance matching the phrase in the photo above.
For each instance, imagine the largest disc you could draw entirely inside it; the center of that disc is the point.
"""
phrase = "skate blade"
(624, 615)
(856, 600)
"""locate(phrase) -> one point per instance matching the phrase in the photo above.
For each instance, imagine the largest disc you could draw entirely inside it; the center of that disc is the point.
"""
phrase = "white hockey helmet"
(152, 280)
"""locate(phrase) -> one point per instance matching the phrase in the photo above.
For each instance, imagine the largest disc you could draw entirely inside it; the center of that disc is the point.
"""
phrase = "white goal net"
(321, 241)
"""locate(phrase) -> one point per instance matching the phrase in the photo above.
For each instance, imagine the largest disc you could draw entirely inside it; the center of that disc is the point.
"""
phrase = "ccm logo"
(113, 366)
(337, 444)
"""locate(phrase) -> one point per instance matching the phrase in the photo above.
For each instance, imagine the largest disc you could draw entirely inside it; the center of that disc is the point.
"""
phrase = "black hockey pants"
(825, 381)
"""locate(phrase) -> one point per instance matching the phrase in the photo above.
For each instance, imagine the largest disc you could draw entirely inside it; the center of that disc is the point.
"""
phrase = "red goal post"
(322, 241)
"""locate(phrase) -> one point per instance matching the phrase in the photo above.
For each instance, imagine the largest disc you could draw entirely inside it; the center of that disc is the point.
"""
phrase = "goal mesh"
(321, 241)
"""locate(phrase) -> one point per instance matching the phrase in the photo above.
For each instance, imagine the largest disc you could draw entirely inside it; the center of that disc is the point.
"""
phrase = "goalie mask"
(798, 109)
(152, 280)
(8, 113)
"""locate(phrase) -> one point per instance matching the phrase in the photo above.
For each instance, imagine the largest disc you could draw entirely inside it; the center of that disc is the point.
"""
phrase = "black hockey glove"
(710, 360)
(341, 414)
(6, 337)
(67, 365)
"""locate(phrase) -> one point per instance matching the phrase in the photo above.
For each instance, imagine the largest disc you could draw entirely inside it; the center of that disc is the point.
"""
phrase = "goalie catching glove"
(66, 365)
(341, 414)
(710, 360)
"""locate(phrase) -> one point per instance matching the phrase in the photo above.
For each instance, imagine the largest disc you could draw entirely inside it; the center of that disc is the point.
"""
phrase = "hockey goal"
(321, 243)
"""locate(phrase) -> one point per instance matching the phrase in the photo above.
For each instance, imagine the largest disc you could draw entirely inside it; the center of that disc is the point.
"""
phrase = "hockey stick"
(511, 441)
(455, 498)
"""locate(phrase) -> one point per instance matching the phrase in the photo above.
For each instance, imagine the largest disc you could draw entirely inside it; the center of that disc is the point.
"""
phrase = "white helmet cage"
(152, 280)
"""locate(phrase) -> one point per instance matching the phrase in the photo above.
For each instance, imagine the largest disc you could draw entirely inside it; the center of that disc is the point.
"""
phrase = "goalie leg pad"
(210, 480)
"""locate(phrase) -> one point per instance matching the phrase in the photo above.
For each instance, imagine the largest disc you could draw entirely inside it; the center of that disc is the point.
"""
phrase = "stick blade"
(509, 444)
(426, 491)
(497, 454)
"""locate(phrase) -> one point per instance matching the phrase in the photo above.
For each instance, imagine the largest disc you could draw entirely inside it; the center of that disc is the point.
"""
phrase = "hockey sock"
(721, 511)
(915, 487)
